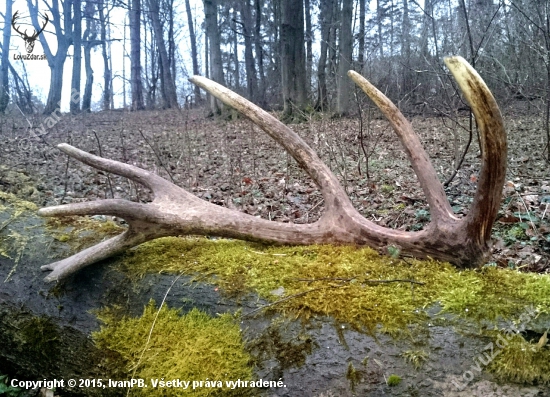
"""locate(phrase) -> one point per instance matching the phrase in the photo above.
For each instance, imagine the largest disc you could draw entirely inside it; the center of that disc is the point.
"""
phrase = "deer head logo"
(29, 40)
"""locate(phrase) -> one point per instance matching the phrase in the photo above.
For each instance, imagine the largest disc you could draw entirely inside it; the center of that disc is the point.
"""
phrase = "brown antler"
(174, 211)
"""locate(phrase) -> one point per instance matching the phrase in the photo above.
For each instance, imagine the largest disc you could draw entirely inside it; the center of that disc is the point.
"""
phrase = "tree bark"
(4, 67)
(90, 40)
(309, 43)
(293, 63)
(214, 45)
(174, 211)
(361, 41)
(169, 87)
(345, 86)
(77, 56)
(260, 96)
(107, 76)
(57, 61)
(250, 66)
(136, 84)
(326, 9)
(194, 54)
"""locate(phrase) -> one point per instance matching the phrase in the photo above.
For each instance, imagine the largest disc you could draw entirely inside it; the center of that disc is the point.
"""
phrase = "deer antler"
(35, 35)
(174, 211)
(13, 20)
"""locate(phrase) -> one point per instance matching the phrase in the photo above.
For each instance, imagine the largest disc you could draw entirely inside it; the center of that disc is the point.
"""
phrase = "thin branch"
(310, 280)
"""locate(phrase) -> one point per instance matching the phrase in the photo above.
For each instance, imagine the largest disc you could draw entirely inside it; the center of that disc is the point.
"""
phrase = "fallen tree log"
(174, 211)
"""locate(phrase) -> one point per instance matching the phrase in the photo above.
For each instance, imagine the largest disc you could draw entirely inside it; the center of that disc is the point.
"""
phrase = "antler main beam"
(174, 211)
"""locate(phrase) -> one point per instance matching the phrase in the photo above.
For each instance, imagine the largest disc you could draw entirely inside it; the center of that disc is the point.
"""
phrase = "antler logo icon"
(29, 40)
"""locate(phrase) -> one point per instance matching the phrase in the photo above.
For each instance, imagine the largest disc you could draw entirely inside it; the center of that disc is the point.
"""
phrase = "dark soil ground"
(229, 161)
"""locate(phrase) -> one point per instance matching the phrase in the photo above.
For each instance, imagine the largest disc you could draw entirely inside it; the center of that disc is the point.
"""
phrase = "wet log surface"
(45, 331)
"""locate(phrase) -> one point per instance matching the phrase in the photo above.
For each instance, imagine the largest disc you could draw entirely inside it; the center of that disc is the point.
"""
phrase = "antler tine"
(43, 26)
(13, 20)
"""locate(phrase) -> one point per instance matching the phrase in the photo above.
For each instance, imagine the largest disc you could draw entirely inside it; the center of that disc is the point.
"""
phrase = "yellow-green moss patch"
(353, 285)
(165, 344)
(81, 231)
(522, 361)
(345, 282)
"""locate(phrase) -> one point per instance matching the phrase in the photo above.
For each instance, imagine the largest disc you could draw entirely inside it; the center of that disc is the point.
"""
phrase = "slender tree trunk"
(332, 45)
(406, 49)
(293, 63)
(136, 85)
(214, 43)
(89, 42)
(106, 69)
(57, 61)
(194, 55)
(260, 96)
(4, 67)
(309, 43)
(325, 19)
(171, 42)
(169, 86)
(250, 66)
(345, 85)
(361, 41)
(74, 103)
(237, 69)
(379, 18)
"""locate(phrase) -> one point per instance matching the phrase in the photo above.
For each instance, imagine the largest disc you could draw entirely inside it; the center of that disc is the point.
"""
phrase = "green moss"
(164, 343)
(63, 238)
(19, 205)
(274, 342)
(522, 361)
(341, 282)
(416, 357)
(40, 336)
(393, 380)
(353, 376)
(81, 231)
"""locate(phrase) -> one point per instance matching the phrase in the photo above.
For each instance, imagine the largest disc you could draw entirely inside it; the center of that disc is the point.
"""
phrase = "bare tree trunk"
(194, 55)
(325, 17)
(57, 61)
(4, 67)
(250, 66)
(379, 23)
(89, 41)
(169, 87)
(361, 41)
(214, 44)
(260, 96)
(106, 69)
(235, 56)
(406, 49)
(345, 86)
(171, 42)
(77, 56)
(174, 211)
(309, 43)
(136, 85)
(293, 63)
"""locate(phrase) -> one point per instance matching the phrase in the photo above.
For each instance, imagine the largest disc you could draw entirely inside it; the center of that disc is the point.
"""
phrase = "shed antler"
(174, 211)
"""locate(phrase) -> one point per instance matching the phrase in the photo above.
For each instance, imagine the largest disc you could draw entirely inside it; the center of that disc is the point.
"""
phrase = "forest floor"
(231, 162)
